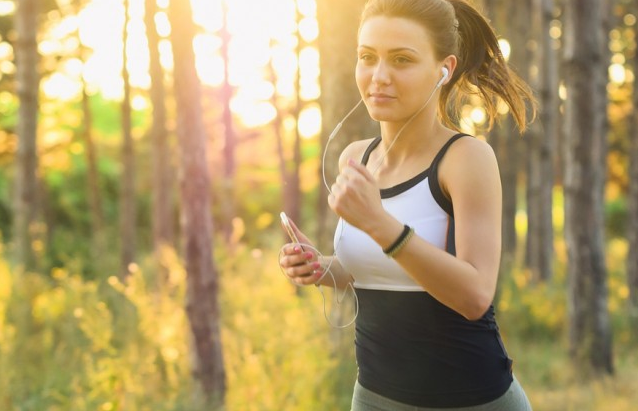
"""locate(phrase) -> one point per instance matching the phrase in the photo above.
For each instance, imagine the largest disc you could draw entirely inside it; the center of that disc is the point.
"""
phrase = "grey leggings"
(513, 400)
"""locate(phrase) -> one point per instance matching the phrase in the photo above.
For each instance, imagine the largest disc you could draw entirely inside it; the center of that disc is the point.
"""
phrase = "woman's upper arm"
(469, 175)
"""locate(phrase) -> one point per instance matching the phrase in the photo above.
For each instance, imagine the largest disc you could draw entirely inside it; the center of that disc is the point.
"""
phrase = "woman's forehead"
(393, 33)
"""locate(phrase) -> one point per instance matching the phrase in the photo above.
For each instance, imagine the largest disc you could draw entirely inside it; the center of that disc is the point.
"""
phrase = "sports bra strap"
(371, 147)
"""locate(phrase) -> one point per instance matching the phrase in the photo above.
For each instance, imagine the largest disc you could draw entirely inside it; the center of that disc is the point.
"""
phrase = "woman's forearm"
(335, 274)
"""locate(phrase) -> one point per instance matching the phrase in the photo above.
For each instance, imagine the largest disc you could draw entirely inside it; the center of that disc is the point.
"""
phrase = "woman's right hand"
(300, 264)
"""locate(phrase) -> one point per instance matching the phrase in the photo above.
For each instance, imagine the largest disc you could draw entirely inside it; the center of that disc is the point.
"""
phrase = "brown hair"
(457, 28)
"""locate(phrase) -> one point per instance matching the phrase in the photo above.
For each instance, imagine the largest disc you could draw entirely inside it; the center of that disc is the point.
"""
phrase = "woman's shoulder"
(470, 148)
(355, 151)
(466, 160)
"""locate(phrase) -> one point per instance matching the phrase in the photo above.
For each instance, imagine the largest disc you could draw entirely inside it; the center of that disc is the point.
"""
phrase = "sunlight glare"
(163, 26)
(210, 70)
(284, 61)
(263, 37)
(555, 29)
(7, 67)
(478, 115)
(279, 16)
(309, 67)
(617, 73)
(307, 8)
(68, 26)
(309, 29)
(166, 54)
(255, 89)
(246, 55)
(7, 7)
(208, 14)
(61, 86)
(48, 47)
(505, 47)
(139, 103)
(310, 122)
(96, 23)
(210, 65)
(73, 67)
(253, 113)
(6, 51)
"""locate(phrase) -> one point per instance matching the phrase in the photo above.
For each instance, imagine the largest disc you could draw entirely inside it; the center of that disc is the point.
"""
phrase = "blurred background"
(148, 146)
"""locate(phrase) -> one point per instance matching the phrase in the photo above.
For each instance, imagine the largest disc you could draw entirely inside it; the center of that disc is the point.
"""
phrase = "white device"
(288, 227)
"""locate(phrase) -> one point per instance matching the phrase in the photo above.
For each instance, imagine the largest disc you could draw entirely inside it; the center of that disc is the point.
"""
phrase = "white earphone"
(446, 73)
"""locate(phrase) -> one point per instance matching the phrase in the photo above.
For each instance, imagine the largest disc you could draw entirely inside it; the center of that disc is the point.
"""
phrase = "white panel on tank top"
(364, 259)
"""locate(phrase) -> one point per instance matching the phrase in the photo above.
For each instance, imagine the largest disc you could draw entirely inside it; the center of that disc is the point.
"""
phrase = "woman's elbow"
(476, 307)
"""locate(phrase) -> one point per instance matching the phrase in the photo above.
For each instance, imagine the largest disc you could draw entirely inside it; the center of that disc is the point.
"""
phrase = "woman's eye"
(366, 58)
(401, 60)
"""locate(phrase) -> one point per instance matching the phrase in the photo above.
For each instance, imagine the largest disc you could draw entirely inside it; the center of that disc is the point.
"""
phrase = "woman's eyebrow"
(394, 50)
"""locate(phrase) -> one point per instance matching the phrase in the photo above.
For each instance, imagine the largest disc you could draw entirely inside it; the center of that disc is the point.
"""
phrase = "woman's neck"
(407, 139)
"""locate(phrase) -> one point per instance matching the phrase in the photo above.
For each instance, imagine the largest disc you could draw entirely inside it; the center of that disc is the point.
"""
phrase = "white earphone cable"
(327, 270)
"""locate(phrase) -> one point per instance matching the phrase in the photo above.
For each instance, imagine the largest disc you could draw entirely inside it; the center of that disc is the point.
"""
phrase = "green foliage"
(74, 344)
(278, 348)
(616, 217)
(71, 343)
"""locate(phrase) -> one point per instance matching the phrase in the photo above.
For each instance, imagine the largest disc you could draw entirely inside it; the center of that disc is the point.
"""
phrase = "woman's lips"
(381, 97)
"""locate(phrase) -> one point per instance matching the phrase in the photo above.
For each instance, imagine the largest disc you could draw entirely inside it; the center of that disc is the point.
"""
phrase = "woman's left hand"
(355, 196)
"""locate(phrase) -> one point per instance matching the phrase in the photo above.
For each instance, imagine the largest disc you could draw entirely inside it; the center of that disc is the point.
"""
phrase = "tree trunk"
(504, 138)
(162, 180)
(230, 137)
(202, 305)
(292, 198)
(27, 84)
(632, 229)
(590, 332)
(98, 246)
(127, 191)
(540, 177)
(339, 93)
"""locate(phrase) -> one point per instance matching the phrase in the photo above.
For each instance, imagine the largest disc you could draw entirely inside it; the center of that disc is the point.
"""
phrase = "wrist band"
(400, 242)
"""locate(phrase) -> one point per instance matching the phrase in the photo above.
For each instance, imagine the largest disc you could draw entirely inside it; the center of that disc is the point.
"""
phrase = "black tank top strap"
(371, 147)
(433, 178)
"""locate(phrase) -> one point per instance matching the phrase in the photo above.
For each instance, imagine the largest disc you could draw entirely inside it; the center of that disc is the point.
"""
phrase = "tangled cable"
(326, 271)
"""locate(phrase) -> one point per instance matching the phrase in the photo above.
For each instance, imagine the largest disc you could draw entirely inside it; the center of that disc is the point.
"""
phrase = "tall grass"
(67, 343)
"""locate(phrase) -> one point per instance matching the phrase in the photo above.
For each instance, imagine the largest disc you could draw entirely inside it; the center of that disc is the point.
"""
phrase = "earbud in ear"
(445, 73)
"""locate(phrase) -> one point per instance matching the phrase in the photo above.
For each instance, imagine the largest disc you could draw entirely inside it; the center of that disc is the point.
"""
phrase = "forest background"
(140, 188)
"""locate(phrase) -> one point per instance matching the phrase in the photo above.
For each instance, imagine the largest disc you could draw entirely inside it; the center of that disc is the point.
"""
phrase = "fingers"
(301, 267)
(360, 170)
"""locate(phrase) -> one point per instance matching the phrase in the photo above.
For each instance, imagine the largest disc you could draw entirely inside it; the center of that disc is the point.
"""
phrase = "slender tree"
(590, 331)
(27, 84)
(339, 94)
(98, 246)
(540, 144)
(127, 190)
(292, 197)
(503, 137)
(202, 304)
(632, 229)
(162, 180)
(230, 137)
(337, 48)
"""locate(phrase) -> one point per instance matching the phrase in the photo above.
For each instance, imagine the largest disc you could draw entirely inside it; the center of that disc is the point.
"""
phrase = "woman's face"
(396, 67)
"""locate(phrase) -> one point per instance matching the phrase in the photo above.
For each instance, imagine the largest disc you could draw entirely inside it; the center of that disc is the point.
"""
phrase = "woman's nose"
(380, 74)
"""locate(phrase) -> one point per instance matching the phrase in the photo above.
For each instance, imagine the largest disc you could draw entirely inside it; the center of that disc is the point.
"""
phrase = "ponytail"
(483, 71)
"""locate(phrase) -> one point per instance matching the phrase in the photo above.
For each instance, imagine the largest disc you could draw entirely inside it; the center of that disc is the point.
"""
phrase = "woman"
(419, 234)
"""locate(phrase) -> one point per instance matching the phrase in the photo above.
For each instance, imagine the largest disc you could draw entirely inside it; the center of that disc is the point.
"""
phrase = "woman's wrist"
(385, 231)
